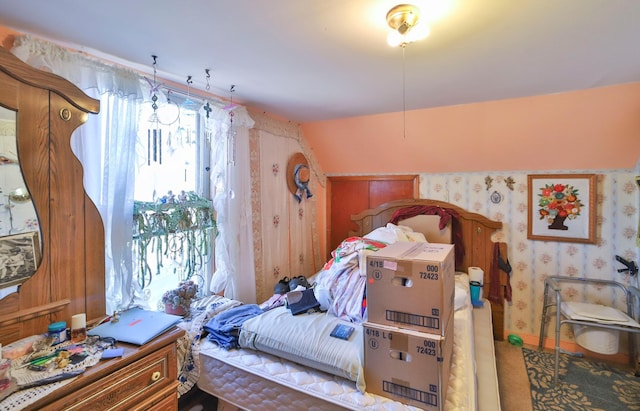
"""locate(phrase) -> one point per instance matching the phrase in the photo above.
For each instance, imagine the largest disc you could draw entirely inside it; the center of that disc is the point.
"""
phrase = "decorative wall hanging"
(231, 135)
(207, 73)
(298, 177)
(154, 146)
(496, 197)
(189, 104)
(562, 207)
(488, 181)
(169, 112)
(509, 182)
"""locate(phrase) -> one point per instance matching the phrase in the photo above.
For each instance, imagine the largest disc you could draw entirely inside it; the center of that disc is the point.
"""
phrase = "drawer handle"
(155, 376)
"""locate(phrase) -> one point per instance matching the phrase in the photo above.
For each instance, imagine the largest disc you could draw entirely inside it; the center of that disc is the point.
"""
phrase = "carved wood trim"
(14, 67)
(39, 311)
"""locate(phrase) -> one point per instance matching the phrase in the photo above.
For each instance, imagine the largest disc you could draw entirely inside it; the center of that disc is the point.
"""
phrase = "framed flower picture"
(562, 207)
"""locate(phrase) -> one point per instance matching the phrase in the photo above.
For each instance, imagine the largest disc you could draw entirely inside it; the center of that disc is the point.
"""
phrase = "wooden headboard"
(475, 230)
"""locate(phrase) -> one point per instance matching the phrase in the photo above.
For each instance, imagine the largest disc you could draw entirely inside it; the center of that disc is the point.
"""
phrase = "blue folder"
(137, 326)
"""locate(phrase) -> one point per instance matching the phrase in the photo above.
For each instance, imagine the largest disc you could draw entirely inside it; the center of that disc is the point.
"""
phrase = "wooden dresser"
(144, 378)
(70, 276)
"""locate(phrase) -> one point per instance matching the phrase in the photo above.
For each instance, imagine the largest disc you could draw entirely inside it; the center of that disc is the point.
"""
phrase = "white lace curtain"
(231, 192)
(105, 148)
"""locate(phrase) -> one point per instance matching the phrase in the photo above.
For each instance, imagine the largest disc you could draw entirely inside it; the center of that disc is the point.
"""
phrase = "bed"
(261, 376)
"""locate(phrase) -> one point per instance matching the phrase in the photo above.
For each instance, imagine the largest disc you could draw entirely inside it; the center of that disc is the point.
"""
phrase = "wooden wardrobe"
(71, 276)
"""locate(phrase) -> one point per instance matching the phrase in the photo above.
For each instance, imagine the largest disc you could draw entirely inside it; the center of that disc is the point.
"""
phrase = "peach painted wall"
(589, 129)
(6, 37)
(454, 149)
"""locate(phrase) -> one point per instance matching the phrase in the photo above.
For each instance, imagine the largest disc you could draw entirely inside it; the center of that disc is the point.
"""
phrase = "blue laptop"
(136, 326)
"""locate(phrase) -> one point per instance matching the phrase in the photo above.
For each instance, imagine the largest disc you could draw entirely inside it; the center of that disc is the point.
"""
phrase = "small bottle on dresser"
(78, 328)
(58, 331)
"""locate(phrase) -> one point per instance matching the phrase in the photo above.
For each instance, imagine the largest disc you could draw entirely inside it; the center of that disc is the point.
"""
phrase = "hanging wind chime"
(231, 134)
(154, 146)
(207, 107)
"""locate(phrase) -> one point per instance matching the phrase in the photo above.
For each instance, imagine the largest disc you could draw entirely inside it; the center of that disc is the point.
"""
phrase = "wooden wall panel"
(344, 196)
(383, 191)
(348, 195)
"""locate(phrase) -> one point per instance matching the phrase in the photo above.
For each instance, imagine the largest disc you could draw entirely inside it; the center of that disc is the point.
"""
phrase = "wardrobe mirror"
(20, 237)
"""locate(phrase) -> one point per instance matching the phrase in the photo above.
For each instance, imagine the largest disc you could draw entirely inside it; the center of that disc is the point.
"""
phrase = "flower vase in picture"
(558, 223)
(559, 202)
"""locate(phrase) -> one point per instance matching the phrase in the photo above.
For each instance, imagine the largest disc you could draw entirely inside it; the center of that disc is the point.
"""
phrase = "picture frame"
(638, 231)
(19, 257)
(562, 207)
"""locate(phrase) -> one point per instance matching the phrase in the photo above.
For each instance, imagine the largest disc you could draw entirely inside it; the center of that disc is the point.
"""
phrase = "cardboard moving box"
(408, 366)
(411, 285)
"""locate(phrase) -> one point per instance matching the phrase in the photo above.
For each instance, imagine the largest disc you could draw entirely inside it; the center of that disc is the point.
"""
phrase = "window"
(173, 220)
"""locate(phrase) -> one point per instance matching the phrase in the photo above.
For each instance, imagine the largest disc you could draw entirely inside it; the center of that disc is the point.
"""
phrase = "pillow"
(461, 295)
(305, 339)
(415, 236)
(389, 234)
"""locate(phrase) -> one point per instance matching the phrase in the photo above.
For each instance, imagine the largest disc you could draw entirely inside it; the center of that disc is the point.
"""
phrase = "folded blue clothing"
(224, 328)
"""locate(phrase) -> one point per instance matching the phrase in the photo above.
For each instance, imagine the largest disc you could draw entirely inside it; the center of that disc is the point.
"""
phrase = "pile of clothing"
(224, 328)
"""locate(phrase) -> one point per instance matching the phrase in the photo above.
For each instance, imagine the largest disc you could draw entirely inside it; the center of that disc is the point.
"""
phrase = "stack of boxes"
(409, 331)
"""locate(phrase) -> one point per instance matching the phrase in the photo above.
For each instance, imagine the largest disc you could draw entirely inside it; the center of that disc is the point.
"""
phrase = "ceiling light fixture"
(404, 20)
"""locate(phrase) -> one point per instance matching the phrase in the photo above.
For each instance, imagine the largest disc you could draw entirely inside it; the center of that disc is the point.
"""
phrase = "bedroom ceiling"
(316, 60)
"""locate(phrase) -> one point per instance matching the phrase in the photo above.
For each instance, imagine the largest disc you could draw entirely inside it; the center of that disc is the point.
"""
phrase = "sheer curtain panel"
(231, 193)
(105, 149)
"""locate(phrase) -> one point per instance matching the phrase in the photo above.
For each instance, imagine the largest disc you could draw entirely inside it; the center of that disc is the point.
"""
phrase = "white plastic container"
(600, 340)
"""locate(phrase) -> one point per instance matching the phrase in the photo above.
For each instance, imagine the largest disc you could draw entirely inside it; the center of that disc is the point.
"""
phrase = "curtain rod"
(210, 98)
(141, 70)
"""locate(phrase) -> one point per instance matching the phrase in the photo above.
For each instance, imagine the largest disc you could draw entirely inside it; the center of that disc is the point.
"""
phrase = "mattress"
(486, 372)
(254, 380)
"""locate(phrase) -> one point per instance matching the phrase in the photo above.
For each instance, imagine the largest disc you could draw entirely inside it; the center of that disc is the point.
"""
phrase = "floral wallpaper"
(284, 230)
(503, 196)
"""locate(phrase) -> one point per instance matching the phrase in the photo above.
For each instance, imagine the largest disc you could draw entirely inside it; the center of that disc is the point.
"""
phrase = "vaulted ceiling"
(314, 60)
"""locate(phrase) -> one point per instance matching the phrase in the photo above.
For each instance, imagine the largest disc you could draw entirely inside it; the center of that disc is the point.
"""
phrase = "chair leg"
(543, 320)
(557, 342)
(633, 353)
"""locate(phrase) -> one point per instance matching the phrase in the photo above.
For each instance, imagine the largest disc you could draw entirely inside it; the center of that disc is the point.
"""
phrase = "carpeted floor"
(513, 382)
(583, 384)
(525, 378)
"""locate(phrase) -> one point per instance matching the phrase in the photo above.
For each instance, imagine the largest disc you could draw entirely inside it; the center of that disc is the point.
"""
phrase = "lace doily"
(23, 375)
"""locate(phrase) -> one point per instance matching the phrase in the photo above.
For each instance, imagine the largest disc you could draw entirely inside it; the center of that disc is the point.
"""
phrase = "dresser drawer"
(128, 387)
(165, 400)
